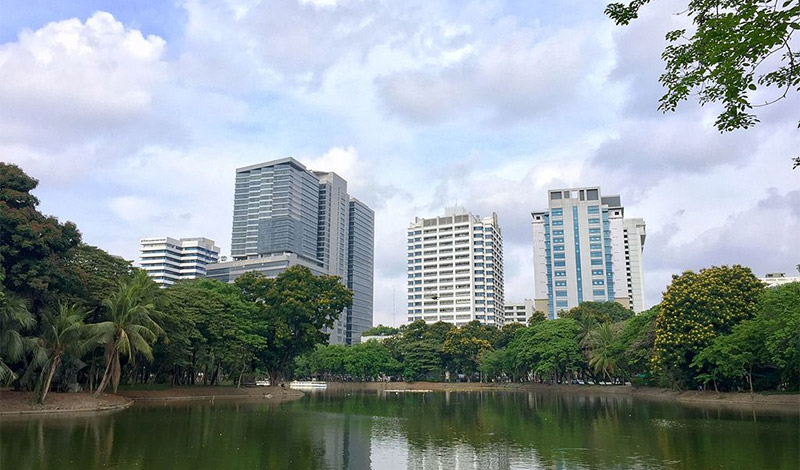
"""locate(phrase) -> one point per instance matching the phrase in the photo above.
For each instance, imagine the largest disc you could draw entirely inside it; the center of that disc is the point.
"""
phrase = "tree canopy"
(733, 49)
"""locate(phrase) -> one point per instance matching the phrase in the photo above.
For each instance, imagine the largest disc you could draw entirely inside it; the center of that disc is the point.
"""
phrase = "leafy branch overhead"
(733, 49)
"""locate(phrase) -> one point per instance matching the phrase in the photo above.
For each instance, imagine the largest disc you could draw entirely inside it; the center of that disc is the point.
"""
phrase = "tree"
(634, 345)
(602, 354)
(380, 330)
(695, 309)
(733, 48)
(549, 349)
(779, 316)
(63, 333)
(296, 306)
(15, 319)
(34, 248)
(732, 356)
(537, 317)
(131, 327)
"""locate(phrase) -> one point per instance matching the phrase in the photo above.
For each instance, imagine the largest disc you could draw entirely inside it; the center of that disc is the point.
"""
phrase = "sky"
(134, 116)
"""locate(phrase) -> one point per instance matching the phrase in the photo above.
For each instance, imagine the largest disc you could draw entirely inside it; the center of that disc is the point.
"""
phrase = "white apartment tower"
(584, 249)
(168, 260)
(455, 269)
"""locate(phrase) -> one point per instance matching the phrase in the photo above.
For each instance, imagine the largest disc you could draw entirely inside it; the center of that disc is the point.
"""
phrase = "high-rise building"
(284, 215)
(360, 268)
(584, 249)
(455, 269)
(168, 260)
(518, 312)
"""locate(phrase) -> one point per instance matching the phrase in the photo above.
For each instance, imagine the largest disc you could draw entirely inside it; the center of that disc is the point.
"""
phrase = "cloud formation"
(418, 105)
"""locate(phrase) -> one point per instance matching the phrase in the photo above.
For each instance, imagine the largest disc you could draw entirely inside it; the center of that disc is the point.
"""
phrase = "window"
(596, 254)
(558, 232)
(597, 272)
(593, 209)
(561, 303)
(561, 283)
(561, 293)
(597, 282)
(561, 274)
(560, 256)
(560, 263)
(597, 262)
(558, 248)
(595, 246)
(557, 212)
(594, 220)
(558, 222)
(558, 240)
(555, 195)
(598, 292)
(594, 238)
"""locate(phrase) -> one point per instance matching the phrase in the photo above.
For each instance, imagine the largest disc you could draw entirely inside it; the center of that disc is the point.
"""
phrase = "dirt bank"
(782, 402)
(270, 394)
(20, 403)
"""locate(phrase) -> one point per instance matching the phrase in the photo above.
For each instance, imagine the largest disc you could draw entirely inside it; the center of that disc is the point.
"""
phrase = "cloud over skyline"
(134, 124)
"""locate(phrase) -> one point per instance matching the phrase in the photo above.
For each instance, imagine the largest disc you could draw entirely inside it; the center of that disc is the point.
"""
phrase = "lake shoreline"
(781, 402)
(14, 403)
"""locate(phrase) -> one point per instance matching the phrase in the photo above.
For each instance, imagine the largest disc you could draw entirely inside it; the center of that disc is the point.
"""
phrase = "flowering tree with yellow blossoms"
(695, 309)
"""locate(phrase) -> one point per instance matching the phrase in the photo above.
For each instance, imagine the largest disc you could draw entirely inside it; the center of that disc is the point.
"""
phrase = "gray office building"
(285, 215)
(360, 268)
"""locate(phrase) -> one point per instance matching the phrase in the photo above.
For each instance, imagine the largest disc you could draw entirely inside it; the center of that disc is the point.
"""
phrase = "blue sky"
(134, 116)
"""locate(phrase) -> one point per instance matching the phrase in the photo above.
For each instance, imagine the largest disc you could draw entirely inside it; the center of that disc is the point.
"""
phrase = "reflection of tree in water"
(495, 430)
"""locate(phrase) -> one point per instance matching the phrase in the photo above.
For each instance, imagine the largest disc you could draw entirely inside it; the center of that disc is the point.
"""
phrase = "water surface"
(442, 430)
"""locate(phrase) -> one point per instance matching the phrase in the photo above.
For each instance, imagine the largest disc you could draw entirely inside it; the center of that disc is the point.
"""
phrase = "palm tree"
(63, 333)
(601, 354)
(131, 328)
(14, 319)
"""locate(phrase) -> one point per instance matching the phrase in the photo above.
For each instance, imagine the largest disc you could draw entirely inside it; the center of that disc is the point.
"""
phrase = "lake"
(440, 430)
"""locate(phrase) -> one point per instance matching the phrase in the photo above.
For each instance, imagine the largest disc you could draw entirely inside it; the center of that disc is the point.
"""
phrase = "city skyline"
(133, 119)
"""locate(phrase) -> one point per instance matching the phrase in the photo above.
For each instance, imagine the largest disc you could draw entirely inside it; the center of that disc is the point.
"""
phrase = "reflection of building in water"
(496, 456)
(344, 439)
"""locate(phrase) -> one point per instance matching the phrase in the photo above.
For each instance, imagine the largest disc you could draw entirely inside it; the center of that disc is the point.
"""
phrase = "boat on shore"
(307, 385)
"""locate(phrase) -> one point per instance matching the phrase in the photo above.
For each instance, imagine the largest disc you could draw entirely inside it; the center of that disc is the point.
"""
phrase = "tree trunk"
(713, 381)
(750, 381)
(49, 380)
(104, 380)
(116, 372)
(241, 373)
(92, 372)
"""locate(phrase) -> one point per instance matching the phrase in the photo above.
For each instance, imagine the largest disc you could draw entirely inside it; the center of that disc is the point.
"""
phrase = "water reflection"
(453, 431)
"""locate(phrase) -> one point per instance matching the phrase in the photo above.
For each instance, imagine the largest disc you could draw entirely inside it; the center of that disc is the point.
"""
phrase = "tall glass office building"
(284, 215)
(586, 250)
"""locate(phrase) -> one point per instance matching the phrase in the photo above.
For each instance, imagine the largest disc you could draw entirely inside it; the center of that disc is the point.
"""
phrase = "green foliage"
(131, 328)
(464, 346)
(634, 346)
(34, 249)
(64, 336)
(536, 317)
(549, 349)
(381, 330)
(15, 321)
(728, 54)
(295, 306)
(695, 309)
(603, 353)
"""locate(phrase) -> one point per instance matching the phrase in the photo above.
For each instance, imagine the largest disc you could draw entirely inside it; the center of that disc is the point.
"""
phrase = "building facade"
(778, 279)
(285, 215)
(518, 312)
(360, 268)
(584, 249)
(455, 269)
(168, 260)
